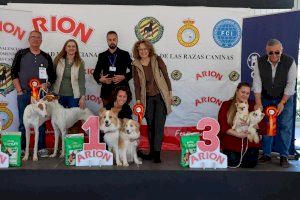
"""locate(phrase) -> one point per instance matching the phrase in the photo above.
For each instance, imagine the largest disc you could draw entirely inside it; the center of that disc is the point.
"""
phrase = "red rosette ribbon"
(272, 113)
(35, 84)
(138, 110)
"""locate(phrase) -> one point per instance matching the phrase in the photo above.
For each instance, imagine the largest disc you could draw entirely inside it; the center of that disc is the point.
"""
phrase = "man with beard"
(113, 68)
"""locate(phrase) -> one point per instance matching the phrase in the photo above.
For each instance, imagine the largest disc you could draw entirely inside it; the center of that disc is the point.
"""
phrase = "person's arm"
(50, 70)
(164, 71)
(257, 88)
(137, 86)
(15, 72)
(128, 75)
(289, 89)
(98, 70)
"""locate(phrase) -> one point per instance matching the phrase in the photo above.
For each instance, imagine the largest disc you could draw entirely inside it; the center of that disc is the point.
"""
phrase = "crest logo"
(227, 33)
(188, 35)
(6, 84)
(252, 61)
(234, 76)
(149, 28)
(176, 101)
(6, 116)
(176, 75)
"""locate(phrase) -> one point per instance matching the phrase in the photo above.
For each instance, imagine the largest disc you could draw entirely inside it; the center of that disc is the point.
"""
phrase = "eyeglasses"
(272, 52)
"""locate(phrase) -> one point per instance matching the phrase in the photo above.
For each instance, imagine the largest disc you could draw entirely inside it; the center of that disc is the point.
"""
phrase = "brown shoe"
(264, 159)
(284, 162)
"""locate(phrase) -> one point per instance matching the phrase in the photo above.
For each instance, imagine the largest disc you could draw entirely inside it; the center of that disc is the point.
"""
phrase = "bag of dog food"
(73, 145)
(11, 145)
(188, 143)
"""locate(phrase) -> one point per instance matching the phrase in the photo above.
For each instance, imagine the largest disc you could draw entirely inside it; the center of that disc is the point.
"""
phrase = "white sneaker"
(43, 153)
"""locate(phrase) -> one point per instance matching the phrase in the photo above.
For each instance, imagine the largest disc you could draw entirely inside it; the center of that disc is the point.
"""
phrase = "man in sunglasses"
(274, 84)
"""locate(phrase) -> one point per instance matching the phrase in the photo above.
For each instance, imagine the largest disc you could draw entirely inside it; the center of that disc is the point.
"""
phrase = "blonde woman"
(153, 90)
(70, 81)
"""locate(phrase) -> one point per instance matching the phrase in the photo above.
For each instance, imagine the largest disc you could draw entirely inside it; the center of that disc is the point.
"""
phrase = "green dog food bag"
(11, 145)
(73, 145)
(188, 143)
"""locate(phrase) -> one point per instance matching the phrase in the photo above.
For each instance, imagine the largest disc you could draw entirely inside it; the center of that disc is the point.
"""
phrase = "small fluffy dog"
(62, 119)
(241, 117)
(129, 141)
(35, 115)
(110, 125)
(254, 118)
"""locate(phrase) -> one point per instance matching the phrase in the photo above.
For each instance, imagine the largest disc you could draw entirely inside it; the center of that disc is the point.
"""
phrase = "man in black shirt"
(113, 68)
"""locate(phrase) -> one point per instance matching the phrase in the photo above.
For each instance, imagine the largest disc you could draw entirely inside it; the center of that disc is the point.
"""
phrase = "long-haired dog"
(35, 114)
(254, 118)
(241, 117)
(129, 141)
(62, 119)
(110, 125)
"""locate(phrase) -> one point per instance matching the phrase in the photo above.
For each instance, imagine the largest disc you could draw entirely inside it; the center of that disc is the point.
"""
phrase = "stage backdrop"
(258, 30)
(14, 28)
(201, 47)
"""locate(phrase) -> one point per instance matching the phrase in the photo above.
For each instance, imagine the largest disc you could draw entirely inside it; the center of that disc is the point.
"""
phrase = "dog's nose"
(106, 122)
(127, 131)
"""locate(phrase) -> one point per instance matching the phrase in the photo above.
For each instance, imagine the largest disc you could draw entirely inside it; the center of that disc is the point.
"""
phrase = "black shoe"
(156, 157)
(284, 162)
(145, 156)
(264, 159)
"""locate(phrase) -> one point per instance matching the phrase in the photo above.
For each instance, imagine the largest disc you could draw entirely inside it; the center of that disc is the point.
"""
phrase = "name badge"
(43, 73)
(112, 69)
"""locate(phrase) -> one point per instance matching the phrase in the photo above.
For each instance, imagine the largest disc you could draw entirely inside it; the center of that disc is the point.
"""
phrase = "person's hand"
(280, 108)
(44, 86)
(258, 106)
(242, 134)
(82, 102)
(138, 102)
(105, 79)
(118, 78)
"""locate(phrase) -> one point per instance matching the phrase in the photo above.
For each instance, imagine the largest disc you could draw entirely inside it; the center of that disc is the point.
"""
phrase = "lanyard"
(112, 60)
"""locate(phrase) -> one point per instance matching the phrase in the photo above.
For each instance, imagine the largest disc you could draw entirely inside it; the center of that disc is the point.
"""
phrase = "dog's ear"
(101, 110)
(124, 121)
(114, 110)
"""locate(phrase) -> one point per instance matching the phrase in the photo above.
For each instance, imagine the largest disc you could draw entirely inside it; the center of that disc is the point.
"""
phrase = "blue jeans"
(284, 128)
(23, 101)
(68, 101)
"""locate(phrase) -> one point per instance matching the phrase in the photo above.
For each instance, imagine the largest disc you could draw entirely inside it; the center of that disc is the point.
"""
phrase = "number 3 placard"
(208, 155)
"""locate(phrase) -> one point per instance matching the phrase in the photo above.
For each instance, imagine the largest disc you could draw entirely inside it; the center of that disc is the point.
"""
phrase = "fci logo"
(252, 61)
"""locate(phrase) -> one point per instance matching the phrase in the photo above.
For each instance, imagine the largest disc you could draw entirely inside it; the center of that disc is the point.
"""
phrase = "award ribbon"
(35, 84)
(272, 113)
(138, 110)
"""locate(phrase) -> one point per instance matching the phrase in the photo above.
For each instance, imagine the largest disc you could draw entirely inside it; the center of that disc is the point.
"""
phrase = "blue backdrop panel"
(257, 31)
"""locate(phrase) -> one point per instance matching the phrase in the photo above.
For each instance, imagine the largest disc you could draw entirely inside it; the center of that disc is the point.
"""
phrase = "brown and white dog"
(129, 141)
(110, 125)
(254, 118)
(241, 120)
(35, 115)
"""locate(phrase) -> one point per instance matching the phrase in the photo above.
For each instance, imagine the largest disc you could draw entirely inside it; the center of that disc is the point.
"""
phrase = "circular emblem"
(188, 35)
(234, 76)
(6, 84)
(176, 75)
(252, 60)
(227, 33)
(176, 101)
(149, 28)
(6, 116)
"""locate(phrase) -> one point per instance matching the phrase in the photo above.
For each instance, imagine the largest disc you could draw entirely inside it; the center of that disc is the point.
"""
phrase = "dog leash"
(242, 154)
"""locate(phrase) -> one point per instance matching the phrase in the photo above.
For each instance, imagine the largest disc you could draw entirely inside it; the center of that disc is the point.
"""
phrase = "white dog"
(254, 118)
(129, 141)
(110, 125)
(241, 117)
(62, 119)
(35, 115)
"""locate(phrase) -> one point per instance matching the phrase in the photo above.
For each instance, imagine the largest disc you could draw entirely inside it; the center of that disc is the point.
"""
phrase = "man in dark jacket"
(113, 68)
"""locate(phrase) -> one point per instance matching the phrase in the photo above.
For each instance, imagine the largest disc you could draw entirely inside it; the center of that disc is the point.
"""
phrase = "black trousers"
(156, 113)
(250, 158)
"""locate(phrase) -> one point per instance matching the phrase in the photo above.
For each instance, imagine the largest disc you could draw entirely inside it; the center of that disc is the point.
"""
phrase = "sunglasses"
(272, 52)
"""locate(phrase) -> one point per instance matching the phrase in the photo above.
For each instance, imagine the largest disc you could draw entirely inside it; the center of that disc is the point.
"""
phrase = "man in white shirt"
(274, 84)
